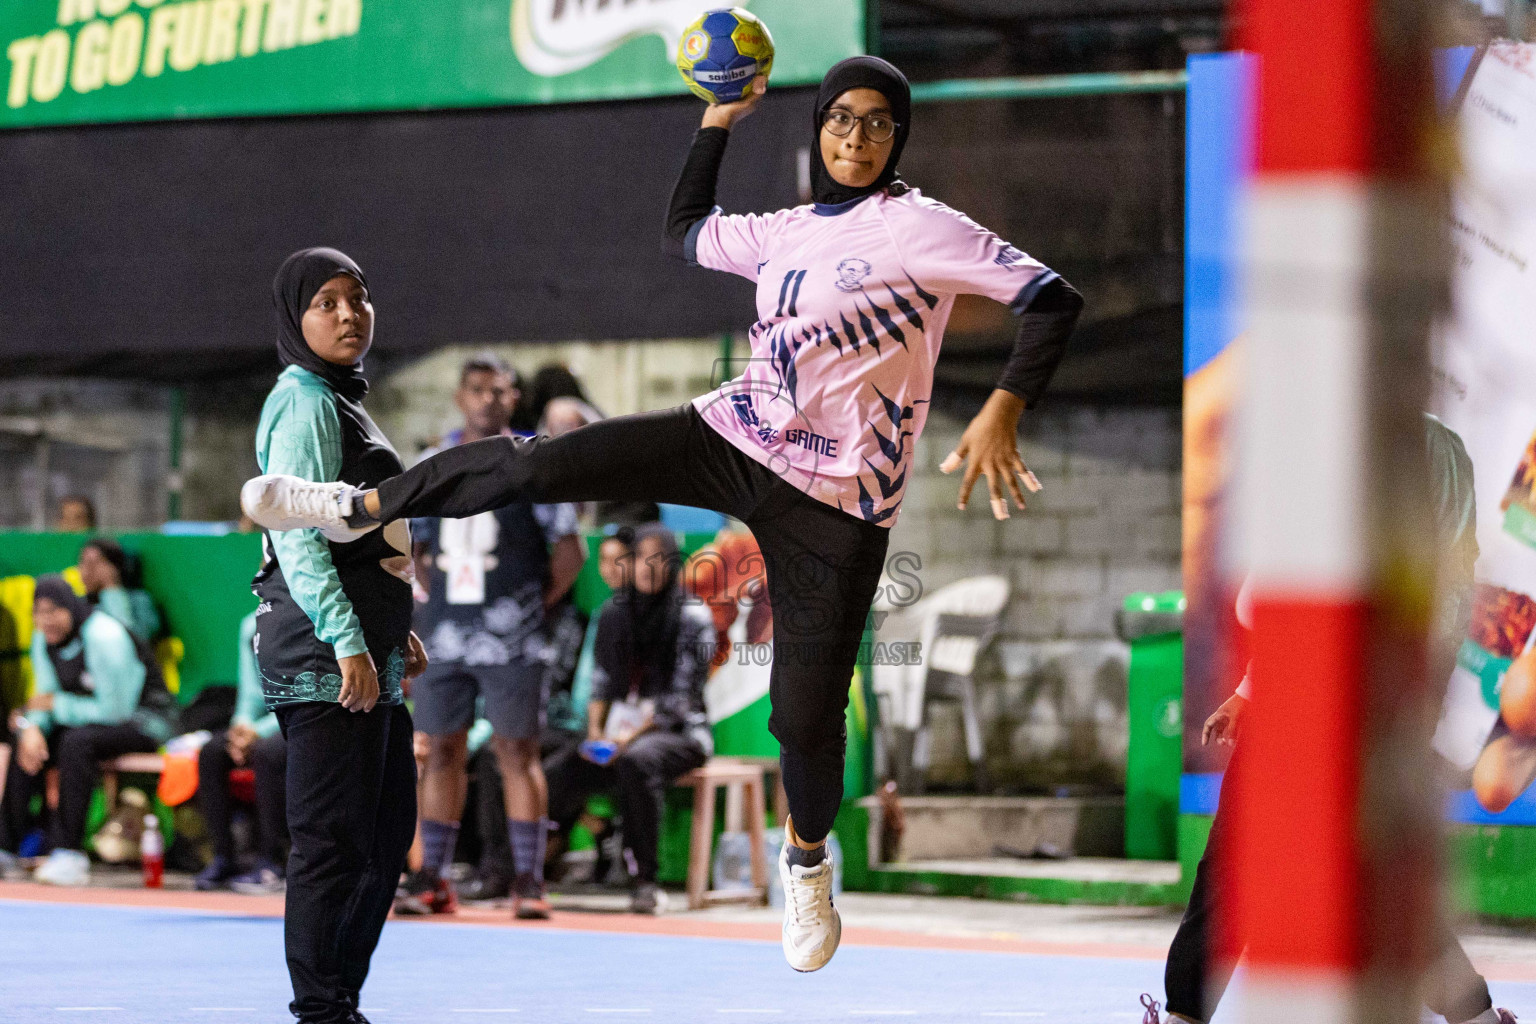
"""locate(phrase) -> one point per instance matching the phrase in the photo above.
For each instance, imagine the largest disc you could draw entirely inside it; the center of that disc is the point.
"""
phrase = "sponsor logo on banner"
(556, 37)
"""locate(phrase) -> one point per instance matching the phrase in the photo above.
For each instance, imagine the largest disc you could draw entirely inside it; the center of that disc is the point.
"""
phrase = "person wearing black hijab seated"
(97, 694)
(812, 445)
(334, 645)
(650, 660)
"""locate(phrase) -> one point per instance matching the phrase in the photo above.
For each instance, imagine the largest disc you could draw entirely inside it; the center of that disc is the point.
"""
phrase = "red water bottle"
(152, 853)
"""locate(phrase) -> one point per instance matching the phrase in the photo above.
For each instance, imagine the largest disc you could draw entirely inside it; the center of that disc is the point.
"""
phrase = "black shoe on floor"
(486, 887)
(647, 898)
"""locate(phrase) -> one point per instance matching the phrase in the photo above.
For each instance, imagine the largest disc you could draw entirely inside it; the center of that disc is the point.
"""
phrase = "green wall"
(202, 585)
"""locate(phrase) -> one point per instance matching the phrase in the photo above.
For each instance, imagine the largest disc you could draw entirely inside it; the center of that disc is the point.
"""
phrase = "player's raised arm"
(694, 197)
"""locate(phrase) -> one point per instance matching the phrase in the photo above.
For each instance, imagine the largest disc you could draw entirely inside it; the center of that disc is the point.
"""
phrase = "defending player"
(811, 446)
(1194, 978)
(489, 579)
(334, 645)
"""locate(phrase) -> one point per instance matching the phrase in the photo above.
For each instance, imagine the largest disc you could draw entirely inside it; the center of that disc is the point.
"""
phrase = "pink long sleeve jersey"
(851, 303)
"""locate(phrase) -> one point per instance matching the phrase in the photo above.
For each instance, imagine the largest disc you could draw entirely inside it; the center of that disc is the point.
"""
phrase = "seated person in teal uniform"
(97, 694)
(111, 578)
(252, 741)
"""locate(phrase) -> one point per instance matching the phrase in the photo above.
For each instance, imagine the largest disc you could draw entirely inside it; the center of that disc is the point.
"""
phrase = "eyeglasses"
(877, 127)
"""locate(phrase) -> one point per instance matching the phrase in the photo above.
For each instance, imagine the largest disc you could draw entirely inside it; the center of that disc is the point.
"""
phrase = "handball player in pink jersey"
(811, 447)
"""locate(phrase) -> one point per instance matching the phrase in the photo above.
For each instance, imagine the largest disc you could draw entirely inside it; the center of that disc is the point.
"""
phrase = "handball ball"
(722, 52)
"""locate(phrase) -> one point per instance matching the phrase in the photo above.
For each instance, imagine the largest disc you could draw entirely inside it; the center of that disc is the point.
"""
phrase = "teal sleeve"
(300, 435)
(133, 608)
(115, 668)
(115, 602)
(44, 680)
(250, 703)
(144, 616)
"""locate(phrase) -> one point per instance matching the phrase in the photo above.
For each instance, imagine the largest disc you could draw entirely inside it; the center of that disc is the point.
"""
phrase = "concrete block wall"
(108, 440)
(1052, 691)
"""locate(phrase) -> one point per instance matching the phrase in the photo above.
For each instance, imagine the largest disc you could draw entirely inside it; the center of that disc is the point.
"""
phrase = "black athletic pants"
(77, 752)
(1194, 983)
(268, 758)
(351, 817)
(640, 776)
(822, 564)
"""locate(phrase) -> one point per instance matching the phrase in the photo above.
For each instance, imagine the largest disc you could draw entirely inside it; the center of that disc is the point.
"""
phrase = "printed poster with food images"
(1486, 393)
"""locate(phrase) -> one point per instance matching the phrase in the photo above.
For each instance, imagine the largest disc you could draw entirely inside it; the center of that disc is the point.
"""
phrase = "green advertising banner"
(90, 61)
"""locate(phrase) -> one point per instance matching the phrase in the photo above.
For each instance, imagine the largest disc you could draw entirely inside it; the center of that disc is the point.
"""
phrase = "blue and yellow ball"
(722, 52)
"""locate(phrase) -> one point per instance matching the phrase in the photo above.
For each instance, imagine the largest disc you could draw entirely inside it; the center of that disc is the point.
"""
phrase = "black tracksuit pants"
(77, 752)
(351, 818)
(1194, 981)
(822, 564)
(640, 776)
(268, 758)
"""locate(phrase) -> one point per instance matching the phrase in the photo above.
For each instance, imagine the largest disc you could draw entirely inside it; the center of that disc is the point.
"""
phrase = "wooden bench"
(128, 764)
(743, 782)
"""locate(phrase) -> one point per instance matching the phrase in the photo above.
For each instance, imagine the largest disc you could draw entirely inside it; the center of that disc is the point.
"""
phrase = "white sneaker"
(280, 502)
(812, 927)
(64, 867)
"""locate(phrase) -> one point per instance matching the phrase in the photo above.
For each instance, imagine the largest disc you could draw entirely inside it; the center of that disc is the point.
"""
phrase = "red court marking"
(590, 922)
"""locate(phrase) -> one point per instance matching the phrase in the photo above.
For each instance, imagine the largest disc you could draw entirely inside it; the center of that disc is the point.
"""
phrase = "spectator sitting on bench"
(254, 741)
(97, 695)
(646, 724)
(112, 583)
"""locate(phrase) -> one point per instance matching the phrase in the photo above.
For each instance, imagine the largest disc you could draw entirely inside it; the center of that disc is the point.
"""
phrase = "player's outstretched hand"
(359, 682)
(989, 447)
(1223, 725)
(724, 115)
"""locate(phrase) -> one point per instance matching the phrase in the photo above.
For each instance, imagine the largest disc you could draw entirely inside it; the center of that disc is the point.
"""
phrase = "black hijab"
(113, 552)
(56, 589)
(297, 281)
(860, 73)
(646, 625)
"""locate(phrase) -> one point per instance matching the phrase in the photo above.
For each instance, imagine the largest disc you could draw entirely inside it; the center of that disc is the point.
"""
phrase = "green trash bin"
(1153, 625)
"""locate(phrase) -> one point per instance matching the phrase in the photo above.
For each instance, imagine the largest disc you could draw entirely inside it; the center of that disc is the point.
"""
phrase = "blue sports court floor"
(69, 964)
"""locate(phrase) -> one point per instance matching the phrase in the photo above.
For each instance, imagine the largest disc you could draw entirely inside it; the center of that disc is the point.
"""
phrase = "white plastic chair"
(954, 625)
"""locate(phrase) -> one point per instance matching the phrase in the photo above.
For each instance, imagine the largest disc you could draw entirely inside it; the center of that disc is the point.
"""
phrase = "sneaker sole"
(837, 939)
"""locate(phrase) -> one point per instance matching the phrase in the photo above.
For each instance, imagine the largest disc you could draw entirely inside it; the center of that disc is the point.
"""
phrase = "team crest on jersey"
(851, 274)
(1009, 257)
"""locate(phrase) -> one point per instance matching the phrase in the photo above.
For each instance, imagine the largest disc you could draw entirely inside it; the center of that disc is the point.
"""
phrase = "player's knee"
(808, 737)
(516, 756)
(530, 467)
(447, 753)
